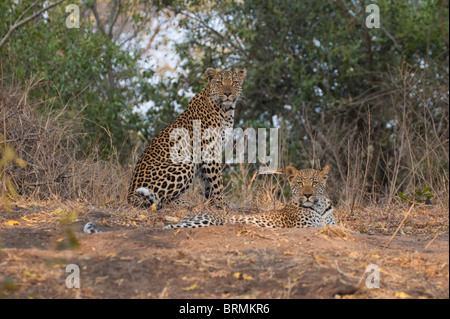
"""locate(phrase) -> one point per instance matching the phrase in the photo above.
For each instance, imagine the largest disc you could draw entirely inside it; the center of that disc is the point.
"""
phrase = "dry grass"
(385, 220)
(340, 231)
(56, 168)
(392, 140)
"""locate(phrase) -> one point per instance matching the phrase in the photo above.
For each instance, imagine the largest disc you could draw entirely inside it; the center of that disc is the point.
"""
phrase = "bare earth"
(134, 258)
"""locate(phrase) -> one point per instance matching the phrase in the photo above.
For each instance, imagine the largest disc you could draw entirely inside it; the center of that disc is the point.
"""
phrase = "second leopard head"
(307, 185)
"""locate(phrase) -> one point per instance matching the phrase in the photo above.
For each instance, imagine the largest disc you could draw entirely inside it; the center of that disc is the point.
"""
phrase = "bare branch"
(97, 17)
(217, 33)
(26, 10)
(24, 21)
(114, 14)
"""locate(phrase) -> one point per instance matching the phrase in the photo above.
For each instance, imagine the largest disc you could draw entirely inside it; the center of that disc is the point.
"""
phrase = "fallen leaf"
(288, 253)
(29, 274)
(247, 277)
(12, 223)
(239, 233)
(58, 211)
(28, 220)
(191, 287)
(402, 295)
(126, 258)
(236, 275)
(171, 219)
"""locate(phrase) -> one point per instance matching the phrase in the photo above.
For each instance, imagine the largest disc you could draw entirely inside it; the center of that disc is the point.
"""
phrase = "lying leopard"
(308, 207)
(157, 177)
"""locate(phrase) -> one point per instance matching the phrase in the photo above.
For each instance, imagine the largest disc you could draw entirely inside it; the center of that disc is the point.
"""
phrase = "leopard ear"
(291, 172)
(210, 73)
(324, 172)
(243, 72)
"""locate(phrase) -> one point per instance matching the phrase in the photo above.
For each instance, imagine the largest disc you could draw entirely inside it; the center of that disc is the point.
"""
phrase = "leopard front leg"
(211, 174)
(161, 184)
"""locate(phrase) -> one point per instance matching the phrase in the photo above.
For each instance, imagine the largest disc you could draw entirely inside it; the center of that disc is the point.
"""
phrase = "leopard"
(309, 206)
(169, 164)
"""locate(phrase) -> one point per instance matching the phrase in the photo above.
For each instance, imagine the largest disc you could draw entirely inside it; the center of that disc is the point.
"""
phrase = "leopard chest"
(228, 118)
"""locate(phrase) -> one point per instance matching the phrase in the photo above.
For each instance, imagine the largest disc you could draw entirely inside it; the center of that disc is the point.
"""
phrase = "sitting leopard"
(157, 178)
(308, 207)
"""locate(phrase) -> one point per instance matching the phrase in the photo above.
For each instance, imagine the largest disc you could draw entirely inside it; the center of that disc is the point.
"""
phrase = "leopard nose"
(307, 195)
(227, 94)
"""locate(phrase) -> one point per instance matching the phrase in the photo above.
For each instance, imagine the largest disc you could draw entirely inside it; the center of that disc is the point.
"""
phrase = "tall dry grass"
(393, 141)
(56, 166)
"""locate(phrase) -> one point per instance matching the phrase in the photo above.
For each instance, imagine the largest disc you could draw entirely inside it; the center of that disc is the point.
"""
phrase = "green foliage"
(7, 285)
(65, 217)
(420, 195)
(65, 220)
(87, 73)
(298, 51)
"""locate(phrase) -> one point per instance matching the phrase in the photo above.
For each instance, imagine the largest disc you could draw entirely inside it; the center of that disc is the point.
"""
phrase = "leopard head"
(307, 185)
(225, 86)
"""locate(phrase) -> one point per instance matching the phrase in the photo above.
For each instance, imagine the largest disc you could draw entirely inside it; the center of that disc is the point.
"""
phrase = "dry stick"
(428, 245)
(398, 228)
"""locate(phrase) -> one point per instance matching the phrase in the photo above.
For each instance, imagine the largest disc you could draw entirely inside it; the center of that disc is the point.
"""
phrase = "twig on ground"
(399, 226)
(431, 241)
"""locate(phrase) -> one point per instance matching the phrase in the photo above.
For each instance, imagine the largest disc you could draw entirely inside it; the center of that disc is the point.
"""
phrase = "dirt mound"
(134, 258)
